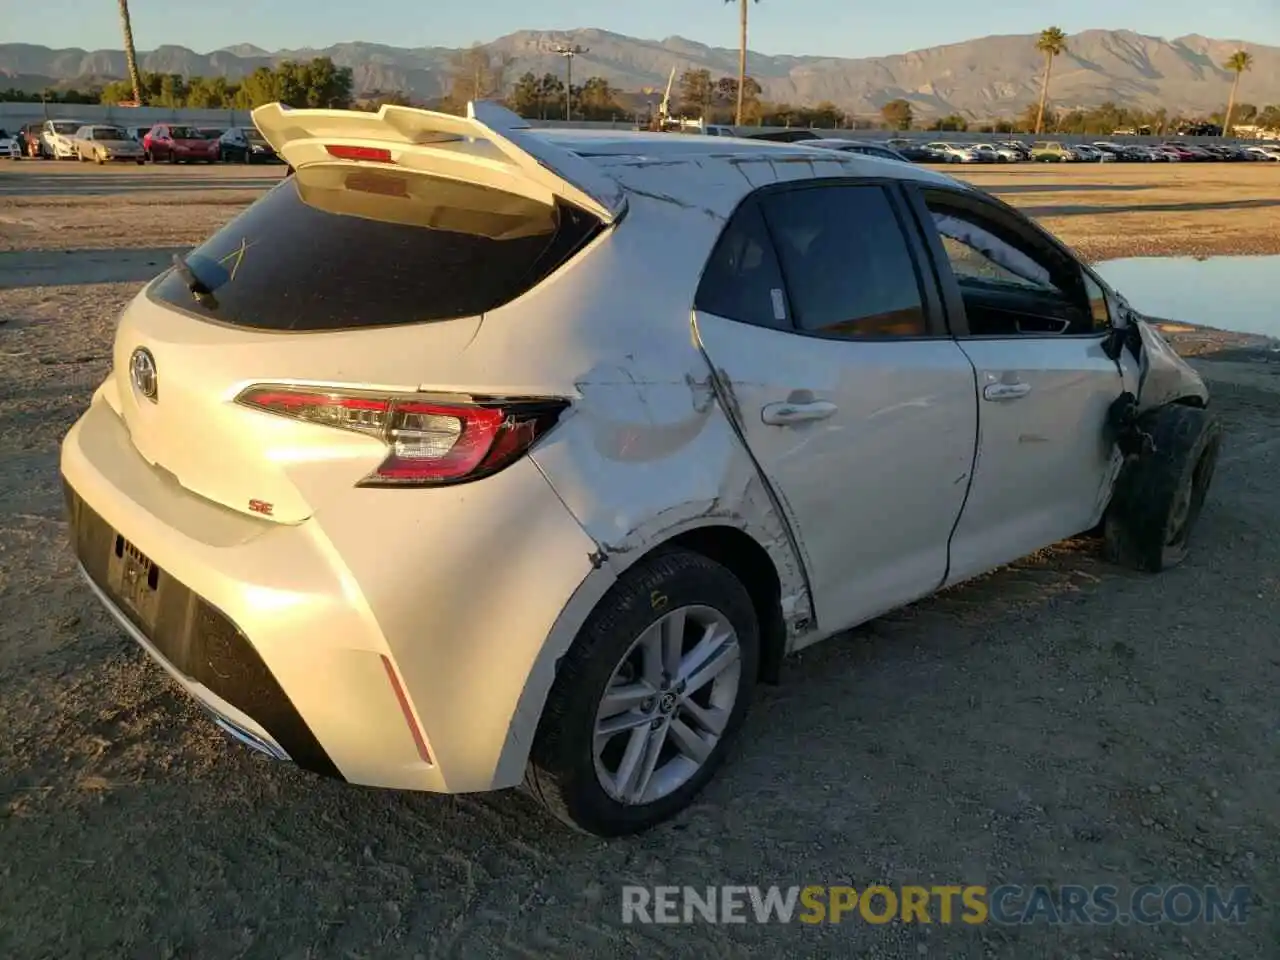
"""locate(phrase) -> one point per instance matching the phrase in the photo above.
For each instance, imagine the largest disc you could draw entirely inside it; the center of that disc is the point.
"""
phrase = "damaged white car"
(473, 455)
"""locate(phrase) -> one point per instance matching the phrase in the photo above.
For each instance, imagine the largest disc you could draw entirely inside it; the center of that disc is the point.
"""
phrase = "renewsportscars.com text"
(964, 904)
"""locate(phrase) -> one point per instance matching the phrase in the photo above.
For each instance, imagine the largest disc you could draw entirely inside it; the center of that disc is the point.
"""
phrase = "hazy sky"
(846, 28)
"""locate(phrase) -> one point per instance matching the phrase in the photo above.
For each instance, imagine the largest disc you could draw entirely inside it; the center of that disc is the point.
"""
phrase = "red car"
(179, 144)
(1182, 152)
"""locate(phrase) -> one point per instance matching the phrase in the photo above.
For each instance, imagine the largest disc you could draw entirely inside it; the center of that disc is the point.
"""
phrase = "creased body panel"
(463, 591)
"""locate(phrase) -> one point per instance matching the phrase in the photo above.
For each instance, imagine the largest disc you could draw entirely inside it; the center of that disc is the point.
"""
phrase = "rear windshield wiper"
(199, 289)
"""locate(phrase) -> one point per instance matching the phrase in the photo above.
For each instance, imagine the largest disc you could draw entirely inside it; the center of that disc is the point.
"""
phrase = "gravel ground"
(1058, 721)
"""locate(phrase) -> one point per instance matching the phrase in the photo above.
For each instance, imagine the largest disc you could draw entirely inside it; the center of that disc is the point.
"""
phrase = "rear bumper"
(199, 648)
(399, 638)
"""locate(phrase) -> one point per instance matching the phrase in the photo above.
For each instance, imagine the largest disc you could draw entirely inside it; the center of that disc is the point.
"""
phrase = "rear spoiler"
(491, 146)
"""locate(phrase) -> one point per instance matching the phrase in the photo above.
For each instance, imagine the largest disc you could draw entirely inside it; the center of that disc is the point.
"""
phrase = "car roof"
(714, 174)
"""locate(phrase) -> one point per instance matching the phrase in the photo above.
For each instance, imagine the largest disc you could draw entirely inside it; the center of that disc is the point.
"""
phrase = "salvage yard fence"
(15, 115)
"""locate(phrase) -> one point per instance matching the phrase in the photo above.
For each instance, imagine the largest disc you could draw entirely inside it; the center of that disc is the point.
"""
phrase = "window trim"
(1000, 212)
(931, 298)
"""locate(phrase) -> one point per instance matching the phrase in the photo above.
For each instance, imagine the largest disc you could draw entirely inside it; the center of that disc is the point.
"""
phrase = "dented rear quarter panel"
(646, 452)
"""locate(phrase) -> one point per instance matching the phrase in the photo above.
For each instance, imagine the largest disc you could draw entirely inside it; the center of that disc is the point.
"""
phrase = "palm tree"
(1237, 63)
(742, 57)
(130, 55)
(1051, 42)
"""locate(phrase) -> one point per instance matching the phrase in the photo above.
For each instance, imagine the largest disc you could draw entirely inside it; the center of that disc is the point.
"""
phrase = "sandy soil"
(1131, 210)
(1059, 721)
(1103, 210)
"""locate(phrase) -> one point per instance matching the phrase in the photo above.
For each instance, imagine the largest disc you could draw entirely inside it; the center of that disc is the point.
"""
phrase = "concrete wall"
(14, 115)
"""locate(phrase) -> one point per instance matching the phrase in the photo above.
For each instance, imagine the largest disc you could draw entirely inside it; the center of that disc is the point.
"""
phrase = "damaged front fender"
(1154, 373)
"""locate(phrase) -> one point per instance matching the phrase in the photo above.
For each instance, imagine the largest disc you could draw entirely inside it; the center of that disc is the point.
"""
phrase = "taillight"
(431, 442)
(345, 152)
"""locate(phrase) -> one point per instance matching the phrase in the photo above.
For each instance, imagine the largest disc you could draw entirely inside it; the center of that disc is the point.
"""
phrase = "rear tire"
(688, 594)
(1159, 496)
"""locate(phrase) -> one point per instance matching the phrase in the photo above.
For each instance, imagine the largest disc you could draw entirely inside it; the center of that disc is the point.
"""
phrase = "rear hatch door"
(351, 274)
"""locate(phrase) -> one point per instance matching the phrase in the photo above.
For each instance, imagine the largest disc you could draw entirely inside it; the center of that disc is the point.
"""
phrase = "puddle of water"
(1229, 293)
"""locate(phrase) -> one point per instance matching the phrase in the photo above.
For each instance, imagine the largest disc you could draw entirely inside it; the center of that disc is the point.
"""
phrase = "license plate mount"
(135, 581)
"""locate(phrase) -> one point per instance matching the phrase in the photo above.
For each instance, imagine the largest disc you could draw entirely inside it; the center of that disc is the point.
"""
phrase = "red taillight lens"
(431, 442)
(344, 152)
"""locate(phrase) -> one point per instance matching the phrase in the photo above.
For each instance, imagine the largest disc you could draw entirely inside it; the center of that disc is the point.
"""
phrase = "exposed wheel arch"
(747, 560)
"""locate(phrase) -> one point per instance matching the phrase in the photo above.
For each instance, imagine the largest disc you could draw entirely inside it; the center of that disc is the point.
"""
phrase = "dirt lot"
(1103, 210)
(1059, 721)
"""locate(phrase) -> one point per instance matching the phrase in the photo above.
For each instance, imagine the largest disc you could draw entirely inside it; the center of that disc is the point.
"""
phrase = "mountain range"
(986, 77)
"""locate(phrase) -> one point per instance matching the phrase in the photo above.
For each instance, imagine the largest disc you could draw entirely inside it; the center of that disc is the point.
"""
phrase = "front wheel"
(648, 698)
(1158, 496)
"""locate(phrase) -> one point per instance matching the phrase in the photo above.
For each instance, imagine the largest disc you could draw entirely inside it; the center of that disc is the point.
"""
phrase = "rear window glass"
(338, 247)
(108, 133)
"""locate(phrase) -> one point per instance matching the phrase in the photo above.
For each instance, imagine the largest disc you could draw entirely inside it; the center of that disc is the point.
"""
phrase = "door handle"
(785, 414)
(1005, 391)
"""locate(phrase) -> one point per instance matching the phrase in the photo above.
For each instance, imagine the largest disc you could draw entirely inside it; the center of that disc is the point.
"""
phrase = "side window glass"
(1098, 308)
(742, 280)
(977, 254)
(1010, 284)
(847, 262)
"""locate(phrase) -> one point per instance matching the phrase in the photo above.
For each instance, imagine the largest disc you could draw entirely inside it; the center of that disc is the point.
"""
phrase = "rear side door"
(858, 409)
(1035, 325)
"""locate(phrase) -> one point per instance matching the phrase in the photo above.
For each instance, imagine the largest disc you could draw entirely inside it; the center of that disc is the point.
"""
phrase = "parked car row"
(1040, 151)
(161, 143)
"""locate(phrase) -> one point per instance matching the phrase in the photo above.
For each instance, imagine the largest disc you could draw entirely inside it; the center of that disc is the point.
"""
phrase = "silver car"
(102, 142)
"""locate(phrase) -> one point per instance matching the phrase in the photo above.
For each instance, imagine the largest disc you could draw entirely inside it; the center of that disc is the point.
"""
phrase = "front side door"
(858, 409)
(1035, 326)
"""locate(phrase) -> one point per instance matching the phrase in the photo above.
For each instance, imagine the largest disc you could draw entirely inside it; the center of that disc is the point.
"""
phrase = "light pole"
(569, 51)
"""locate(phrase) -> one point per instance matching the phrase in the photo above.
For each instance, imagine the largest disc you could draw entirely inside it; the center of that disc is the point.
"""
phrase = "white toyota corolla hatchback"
(473, 455)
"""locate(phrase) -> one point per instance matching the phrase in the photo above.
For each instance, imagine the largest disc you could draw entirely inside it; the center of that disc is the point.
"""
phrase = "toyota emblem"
(142, 371)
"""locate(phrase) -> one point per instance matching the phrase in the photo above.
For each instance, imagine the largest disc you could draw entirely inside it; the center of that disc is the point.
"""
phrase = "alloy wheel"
(667, 704)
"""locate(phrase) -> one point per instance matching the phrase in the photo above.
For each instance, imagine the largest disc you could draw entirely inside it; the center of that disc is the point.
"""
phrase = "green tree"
(951, 122)
(1237, 63)
(1051, 43)
(552, 97)
(1037, 121)
(743, 6)
(725, 95)
(173, 91)
(697, 92)
(209, 93)
(825, 114)
(526, 96)
(897, 114)
(597, 100)
(1269, 117)
(130, 54)
(117, 91)
(258, 88)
